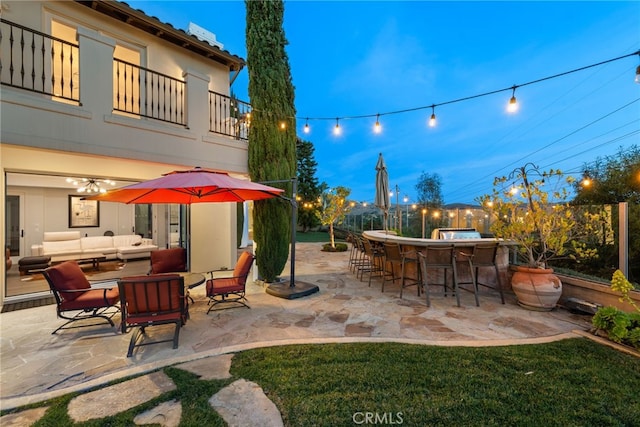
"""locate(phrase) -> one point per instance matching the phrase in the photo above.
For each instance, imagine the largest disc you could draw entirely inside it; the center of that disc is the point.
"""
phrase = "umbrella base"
(286, 291)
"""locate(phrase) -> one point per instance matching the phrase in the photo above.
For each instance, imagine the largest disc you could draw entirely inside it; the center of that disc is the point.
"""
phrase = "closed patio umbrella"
(382, 188)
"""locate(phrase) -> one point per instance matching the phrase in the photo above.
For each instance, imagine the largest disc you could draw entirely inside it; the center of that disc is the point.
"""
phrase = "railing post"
(623, 224)
(96, 71)
(197, 101)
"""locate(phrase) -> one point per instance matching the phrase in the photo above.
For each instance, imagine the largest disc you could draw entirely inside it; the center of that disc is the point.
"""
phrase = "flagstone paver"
(210, 368)
(243, 403)
(119, 397)
(166, 414)
(24, 418)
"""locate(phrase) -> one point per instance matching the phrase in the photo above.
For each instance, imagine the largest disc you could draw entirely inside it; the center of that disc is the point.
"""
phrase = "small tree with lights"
(335, 207)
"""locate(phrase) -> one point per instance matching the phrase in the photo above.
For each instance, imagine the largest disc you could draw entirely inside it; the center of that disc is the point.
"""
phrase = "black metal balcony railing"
(37, 62)
(143, 92)
(229, 116)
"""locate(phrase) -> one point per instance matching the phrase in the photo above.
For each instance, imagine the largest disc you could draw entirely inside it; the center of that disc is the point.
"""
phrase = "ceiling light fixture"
(90, 185)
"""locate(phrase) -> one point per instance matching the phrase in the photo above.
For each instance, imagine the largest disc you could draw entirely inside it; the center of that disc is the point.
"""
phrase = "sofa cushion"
(96, 242)
(126, 240)
(68, 276)
(56, 236)
(136, 249)
(61, 247)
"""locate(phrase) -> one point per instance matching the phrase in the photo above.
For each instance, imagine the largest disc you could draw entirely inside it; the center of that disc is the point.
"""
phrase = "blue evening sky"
(376, 57)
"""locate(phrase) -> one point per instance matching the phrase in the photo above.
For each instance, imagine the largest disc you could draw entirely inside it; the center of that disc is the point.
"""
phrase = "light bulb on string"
(637, 80)
(377, 128)
(283, 125)
(306, 127)
(337, 130)
(512, 107)
(432, 120)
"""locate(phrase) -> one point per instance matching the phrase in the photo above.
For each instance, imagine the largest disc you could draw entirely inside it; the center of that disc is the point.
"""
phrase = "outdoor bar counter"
(487, 275)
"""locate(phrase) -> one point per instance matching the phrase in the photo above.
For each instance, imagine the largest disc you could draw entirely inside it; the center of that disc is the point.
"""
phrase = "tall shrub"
(272, 139)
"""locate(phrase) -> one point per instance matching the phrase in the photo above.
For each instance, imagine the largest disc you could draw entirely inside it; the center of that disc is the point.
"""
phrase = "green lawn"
(312, 237)
(568, 383)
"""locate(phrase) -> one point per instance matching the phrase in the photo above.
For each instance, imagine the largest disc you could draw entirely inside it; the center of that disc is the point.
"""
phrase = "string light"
(283, 125)
(512, 107)
(306, 127)
(432, 120)
(377, 128)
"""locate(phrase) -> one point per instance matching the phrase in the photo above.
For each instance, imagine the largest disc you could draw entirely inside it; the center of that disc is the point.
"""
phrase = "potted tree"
(530, 210)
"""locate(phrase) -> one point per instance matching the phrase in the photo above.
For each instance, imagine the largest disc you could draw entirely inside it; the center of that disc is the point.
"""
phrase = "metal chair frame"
(235, 289)
(105, 310)
(152, 300)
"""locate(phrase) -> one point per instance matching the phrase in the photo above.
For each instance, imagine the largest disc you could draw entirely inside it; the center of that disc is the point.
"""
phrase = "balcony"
(51, 68)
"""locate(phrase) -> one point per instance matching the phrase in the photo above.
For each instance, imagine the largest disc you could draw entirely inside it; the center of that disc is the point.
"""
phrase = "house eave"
(138, 19)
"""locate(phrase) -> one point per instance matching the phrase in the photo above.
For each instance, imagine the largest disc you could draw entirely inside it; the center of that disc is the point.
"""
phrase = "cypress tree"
(272, 140)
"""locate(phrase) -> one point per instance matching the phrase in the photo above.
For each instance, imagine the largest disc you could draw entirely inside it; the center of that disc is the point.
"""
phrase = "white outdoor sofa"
(69, 244)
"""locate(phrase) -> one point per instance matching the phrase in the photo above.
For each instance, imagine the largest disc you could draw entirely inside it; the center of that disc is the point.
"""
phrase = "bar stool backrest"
(485, 255)
(392, 252)
(439, 256)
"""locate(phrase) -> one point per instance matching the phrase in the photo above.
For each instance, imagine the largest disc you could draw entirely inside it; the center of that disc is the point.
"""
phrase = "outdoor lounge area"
(37, 365)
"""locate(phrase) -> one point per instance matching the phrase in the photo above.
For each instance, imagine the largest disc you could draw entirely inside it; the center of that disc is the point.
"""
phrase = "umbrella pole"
(292, 289)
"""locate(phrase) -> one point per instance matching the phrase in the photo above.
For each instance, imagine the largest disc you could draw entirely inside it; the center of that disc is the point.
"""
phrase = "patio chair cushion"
(68, 276)
(241, 271)
(224, 285)
(92, 298)
(168, 260)
(154, 300)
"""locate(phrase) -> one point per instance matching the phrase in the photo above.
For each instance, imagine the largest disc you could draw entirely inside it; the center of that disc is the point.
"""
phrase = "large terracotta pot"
(536, 288)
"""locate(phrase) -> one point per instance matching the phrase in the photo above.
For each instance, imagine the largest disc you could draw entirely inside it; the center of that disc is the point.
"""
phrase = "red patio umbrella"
(196, 185)
(200, 185)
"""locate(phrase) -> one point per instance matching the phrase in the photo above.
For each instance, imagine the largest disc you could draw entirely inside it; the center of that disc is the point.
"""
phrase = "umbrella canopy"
(382, 188)
(196, 185)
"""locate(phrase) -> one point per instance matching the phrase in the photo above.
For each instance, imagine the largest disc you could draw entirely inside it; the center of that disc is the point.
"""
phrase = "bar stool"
(439, 258)
(375, 257)
(353, 254)
(358, 260)
(464, 257)
(484, 255)
(393, 254)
